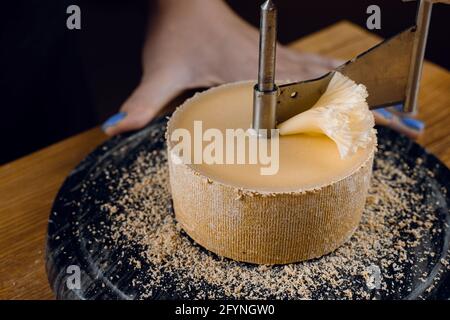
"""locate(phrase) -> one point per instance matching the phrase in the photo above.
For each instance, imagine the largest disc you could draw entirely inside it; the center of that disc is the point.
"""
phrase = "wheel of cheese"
(308, 209)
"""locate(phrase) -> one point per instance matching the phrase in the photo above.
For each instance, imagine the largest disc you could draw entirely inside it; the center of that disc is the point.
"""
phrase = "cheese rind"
(276, 228)
(235, 213)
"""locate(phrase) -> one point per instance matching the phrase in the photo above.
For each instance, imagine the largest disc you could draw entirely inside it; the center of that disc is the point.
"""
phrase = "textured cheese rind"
(267, 227)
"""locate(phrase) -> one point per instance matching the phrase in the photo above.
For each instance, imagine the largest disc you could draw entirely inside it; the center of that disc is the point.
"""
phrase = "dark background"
(55, 83)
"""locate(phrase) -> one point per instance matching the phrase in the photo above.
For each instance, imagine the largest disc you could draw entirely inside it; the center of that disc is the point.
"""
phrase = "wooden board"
(29, 185)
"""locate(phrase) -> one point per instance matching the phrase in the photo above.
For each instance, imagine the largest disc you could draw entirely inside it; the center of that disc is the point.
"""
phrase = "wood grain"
(27, 189)
(29, 185)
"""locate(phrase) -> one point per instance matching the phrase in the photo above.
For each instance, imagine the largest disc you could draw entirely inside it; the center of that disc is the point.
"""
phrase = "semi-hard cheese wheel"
(295, 201)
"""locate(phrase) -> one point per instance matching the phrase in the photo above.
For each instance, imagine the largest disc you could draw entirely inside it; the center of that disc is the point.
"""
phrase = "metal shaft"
(266, 92)
(419, 46)
(267, 47)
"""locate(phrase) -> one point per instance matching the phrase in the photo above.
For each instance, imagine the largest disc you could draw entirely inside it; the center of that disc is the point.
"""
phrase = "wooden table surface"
(29, 185)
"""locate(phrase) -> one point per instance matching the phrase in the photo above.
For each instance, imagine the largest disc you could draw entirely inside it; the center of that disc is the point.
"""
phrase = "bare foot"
(197, 43)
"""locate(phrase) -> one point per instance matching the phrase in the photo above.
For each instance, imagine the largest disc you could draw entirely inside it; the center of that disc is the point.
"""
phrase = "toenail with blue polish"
(114, 120)
(384, 113)
(413, 123)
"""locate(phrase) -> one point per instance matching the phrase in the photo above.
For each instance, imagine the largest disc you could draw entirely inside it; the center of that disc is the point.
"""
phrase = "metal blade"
(383, 69)
(298, 97)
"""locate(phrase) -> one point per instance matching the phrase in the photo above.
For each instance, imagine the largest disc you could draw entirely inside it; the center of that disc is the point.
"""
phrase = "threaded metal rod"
(267, 46)
(266, 92)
